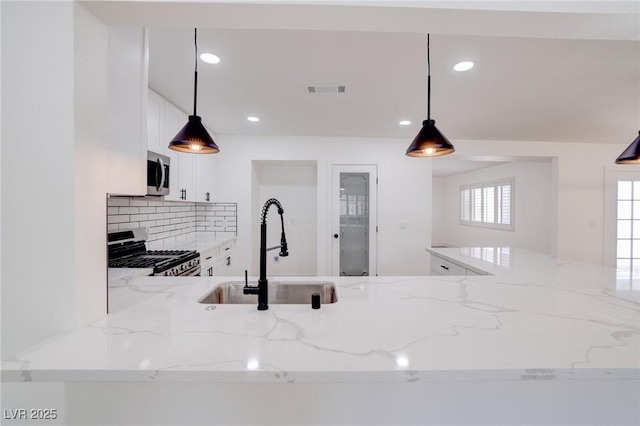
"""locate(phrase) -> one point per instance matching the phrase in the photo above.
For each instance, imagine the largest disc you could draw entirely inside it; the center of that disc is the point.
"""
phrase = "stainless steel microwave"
(158, 168)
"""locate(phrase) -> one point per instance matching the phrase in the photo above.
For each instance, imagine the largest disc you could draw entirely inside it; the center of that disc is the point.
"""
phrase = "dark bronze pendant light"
(429, 142)
(631, 155)
(193, 137)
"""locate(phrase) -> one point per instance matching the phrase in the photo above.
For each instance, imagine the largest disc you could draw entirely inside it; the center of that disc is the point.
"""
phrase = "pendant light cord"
(195, 78)
(428, 81)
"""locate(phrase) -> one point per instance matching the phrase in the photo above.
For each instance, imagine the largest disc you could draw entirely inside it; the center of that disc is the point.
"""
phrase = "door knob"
(335, 235)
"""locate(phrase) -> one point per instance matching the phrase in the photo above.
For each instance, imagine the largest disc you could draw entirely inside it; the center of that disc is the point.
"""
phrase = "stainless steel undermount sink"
(280, 292)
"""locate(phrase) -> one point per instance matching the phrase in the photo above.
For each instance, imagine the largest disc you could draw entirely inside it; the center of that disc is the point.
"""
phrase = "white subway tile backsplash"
(155, 245)
(170, 241)
(128, 225)
(116, 218)
(138, 202)
(117, 201)
(171, 222)
(128, 210)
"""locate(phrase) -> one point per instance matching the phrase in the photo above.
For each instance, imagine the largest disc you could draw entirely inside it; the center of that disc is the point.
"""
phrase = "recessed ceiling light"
(404, 122)
(210, 58)
(253, 119)
(463, 66)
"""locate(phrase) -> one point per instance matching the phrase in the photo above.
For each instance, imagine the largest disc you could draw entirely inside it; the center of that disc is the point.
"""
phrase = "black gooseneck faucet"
(262, 289)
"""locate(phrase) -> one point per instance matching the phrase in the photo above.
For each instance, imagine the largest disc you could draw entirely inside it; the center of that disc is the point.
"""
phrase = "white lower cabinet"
(216, 261)
(208, 262)
(441, 266)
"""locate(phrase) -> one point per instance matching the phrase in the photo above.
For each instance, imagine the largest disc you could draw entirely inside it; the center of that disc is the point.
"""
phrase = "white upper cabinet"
(180, 181)
(205, 166)
(192, 175)
(155, 123)
(126, 135)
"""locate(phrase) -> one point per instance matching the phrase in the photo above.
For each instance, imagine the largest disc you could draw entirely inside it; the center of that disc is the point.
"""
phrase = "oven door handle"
(162, 174)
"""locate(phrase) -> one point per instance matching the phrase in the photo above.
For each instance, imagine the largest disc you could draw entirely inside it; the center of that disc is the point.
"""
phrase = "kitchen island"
(538, 341)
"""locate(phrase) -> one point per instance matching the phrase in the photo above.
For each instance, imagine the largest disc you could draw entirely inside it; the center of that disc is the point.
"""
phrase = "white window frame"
(466, 213)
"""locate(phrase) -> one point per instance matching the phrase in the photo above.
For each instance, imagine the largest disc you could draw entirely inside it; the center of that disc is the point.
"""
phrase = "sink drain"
(210, 308)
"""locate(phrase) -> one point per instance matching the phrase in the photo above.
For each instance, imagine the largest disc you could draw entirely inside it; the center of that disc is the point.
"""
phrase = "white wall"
(91, 169)
(38, 297)
(295, 186)
(438, 219)
(55, 164)
(404, 193)
(580, 188)
(534, 211)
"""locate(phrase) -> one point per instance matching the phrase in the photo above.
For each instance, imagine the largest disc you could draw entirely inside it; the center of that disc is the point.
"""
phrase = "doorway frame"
(611, 178)
(334, 213)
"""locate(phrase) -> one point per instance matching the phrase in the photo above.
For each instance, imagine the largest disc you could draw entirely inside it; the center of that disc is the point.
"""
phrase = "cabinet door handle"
(208, 257)
(444, 267)
(206, 196)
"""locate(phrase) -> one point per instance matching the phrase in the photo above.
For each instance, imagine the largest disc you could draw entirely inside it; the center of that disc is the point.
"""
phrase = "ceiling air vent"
(326, 88)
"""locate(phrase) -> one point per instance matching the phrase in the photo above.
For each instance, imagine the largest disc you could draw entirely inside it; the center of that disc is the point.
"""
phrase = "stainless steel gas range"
(128, 250)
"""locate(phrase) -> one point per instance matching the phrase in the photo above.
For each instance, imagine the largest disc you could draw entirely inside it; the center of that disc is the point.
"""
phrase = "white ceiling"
(570, 75)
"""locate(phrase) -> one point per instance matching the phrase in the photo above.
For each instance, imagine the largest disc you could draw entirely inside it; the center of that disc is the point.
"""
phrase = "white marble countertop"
(117, 274)
(535, 318)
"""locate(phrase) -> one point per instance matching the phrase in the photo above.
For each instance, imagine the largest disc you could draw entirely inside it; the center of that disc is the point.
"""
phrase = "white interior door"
(622, 225)
(354, 220)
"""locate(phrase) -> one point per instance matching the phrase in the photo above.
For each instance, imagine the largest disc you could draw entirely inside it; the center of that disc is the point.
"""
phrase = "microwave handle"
(162, 174)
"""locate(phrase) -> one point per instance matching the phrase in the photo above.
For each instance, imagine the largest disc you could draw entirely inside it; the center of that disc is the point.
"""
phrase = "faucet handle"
(247, 288)
(250, 290)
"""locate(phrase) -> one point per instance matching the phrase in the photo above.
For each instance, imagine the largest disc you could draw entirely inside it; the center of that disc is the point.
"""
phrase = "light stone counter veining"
(535, 318)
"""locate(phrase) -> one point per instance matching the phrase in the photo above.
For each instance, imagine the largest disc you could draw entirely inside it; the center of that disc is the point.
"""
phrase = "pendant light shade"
(429, 142)
(193, 137)
(631, 155)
